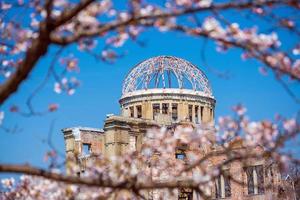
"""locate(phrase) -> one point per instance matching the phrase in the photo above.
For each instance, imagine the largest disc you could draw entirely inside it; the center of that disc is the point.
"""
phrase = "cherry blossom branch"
(27, 169)
(46, 36)
(38, 49)
(161, 15)
(68, 15)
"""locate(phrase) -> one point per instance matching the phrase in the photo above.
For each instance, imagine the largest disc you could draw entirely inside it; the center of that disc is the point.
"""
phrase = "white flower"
(5, 6)
(57, 88)
(147, 152)
(146, 10)
(1, 117)
(8, 182)
(60, 3)
(204, 3)
(184, 2)
(290, 125)
(124, 16)
(199, 177)
(86, 19)
(7, 74)
(296, 51)
(71, 91)
(210, 24)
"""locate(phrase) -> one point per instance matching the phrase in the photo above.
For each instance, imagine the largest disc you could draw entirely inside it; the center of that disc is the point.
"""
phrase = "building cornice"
(167, 93)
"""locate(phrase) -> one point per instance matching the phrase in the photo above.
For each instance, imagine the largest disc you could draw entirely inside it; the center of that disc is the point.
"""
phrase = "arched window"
(222, 185)
(255, 179)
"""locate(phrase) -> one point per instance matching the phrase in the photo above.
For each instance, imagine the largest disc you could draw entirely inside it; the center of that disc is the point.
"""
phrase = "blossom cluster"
(156, 162)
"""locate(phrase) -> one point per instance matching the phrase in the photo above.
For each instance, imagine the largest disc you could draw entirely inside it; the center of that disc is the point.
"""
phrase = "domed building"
(167, 91)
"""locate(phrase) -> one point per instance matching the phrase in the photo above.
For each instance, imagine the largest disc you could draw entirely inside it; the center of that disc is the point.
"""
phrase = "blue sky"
(101, 85)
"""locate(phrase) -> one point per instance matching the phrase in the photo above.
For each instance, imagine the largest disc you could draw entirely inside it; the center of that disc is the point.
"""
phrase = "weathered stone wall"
(124, 133)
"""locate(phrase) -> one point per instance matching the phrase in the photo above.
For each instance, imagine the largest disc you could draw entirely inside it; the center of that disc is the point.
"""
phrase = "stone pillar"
(73, 147)
(182, 111)
(125, 112)
(147, 110)
(116, 140)
(199, 114)
(212, 117)
(160, 107)
(193, 113)
(135, 111)
(206, 115)
(237, 191)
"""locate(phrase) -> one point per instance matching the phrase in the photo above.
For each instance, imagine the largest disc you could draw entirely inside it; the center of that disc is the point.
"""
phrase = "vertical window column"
(196, 114)
(174, 111)
(131, 109)
(190, 112)
(255, 179)
(201, 113)
(139, 111)
(155, 109)
(222, 186)
(165, 108)
(132, 142)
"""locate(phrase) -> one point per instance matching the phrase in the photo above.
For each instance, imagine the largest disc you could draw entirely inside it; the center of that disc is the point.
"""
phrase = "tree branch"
(38, 48)
(29, 170)
(68, 15)
(137, 19)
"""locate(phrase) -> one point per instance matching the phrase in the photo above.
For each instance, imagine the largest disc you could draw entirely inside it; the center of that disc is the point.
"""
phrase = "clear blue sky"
(101, 86)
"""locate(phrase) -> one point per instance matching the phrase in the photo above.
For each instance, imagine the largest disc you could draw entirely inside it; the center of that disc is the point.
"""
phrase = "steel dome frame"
(154, 69)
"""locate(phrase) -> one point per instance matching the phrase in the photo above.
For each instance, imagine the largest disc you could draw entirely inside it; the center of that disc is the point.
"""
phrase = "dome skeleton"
(154, 69)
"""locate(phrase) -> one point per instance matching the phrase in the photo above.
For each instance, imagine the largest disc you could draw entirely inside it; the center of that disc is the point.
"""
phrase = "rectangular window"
(156, 109)
(165, 108)
(131, 109)
(132, 142)
(86, 149)
(222, 185)
(185, 194)
(180, 154)
(196, 114)
(139, 111)
(201, 113)
(174, 111)
(255, 179)
(191, 113)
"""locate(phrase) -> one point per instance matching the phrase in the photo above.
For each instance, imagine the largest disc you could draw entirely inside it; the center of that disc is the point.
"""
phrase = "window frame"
(196, 108)
(174, 113)
(256, 174)
(155, 110)
(131, 110)
(223, 191)
(86, 149)
(165, 108)
(190, 112)
(138, 111)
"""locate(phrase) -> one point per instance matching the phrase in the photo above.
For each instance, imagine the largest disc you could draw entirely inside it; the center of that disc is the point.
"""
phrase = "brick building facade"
(149, 100)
